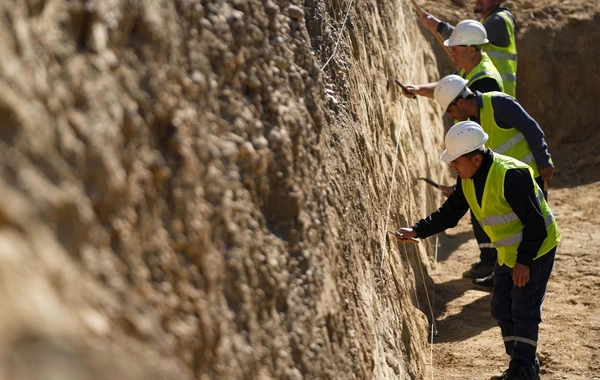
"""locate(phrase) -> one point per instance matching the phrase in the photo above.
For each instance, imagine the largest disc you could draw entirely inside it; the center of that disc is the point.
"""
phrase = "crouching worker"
(511, 208)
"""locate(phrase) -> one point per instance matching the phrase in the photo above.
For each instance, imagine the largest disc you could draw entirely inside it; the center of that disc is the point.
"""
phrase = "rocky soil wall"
(189, 191)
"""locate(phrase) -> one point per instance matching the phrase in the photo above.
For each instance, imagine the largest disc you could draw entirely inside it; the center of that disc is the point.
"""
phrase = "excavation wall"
(195, 190)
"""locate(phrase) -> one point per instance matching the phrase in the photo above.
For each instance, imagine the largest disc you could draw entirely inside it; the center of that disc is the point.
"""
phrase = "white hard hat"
(449, 88)
(463, 137)
(467, 32)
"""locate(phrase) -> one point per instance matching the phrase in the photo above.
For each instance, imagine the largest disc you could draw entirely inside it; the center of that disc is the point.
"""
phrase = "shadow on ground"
(451, 243)
(473, 316)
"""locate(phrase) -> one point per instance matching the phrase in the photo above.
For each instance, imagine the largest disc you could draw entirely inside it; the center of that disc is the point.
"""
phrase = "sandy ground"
(469, 345)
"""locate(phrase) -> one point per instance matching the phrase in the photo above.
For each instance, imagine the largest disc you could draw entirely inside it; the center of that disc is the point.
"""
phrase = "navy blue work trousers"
(518, 311)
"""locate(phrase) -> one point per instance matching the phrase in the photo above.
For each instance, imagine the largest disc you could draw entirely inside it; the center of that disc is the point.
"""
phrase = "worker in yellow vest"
(500, 25)
(508, 203)
(471, 62)
(513, 132)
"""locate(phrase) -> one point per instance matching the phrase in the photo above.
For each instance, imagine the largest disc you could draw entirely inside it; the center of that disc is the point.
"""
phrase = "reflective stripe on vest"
(528, 159)
(518, 237)
(508, 78)
(509, 144)
(508, 217)
(501, 55)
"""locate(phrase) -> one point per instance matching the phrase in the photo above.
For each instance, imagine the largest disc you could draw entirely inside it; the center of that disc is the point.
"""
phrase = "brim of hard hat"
(450, 43)
(447, 105)
(446, 157)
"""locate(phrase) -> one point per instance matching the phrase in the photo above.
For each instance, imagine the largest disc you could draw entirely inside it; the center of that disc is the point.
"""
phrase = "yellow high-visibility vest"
(505, 58)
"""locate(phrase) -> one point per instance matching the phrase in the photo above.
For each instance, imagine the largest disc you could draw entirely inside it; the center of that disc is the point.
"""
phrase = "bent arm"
(485, 85)
(447, 216)
(420, 89)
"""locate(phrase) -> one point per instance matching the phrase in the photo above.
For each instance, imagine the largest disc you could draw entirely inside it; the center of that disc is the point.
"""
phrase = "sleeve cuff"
(525, 259)
(416, 228)
(441, 26)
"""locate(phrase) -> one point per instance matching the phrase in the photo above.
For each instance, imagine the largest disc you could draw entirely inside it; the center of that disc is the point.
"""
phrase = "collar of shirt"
(481, 173)
(479, 99)
(500, 9)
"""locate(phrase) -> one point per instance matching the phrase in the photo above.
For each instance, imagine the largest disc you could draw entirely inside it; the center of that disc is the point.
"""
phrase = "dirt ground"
(468, 344)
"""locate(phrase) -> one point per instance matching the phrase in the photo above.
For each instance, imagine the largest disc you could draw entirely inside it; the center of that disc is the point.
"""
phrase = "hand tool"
(404, 88)
(437, 186)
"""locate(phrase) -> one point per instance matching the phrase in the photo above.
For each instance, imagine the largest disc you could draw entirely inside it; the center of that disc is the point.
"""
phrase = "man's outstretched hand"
(446, 190)
(405, 234)
(429, 21)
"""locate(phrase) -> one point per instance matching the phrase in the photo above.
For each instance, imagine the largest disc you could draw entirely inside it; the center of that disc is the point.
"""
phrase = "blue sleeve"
(495, 26)
(445, 29)
(508, 113)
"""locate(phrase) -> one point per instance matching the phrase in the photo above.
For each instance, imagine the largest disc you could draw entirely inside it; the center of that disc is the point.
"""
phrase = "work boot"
(479, 269)
(514, 374)
(503, 376)
(486, 282)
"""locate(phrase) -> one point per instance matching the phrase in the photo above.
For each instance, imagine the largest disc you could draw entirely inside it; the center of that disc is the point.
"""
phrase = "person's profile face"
(465, 167)
(485, 6)
(459, 55)
(457, 111)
